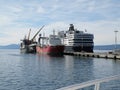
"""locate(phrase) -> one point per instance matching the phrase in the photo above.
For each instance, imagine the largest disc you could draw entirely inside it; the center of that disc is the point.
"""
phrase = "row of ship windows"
(79, 38)
(72, 33)
(80, 42)
(90, 36)
(72, 38)
(88, 40)
(88, 44)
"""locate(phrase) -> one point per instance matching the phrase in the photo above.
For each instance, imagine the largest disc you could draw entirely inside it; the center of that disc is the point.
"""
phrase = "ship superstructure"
(78, 41)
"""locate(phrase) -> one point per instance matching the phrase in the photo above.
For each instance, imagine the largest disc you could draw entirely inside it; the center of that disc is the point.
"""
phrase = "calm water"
(42, 72)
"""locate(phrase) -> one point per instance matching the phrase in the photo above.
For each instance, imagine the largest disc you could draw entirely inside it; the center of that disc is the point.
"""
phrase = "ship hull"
(51, 50)
(79, 48)
(28, 49)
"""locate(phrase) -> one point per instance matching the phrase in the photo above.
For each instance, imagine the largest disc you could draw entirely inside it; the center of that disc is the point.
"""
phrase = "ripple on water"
(42, 72)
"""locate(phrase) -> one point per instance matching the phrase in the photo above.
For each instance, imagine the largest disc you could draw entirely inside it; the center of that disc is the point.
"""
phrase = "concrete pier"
(95, 54)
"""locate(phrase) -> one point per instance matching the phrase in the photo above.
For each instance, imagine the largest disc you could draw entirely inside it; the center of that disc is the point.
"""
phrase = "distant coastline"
(106, 47)
(96, 47)
(10, 46)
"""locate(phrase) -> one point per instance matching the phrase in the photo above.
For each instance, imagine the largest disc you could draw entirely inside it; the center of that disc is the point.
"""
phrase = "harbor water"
(43, 72)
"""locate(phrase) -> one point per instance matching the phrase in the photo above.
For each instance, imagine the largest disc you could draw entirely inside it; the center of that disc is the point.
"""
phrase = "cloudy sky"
(100, 17)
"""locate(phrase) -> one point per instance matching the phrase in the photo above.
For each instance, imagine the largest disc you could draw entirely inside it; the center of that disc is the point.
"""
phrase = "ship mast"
(29, 34)
(53, 31)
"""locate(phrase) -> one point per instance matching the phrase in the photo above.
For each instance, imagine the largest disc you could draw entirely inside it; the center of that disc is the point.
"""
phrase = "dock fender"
(115, 57)
(106, 56)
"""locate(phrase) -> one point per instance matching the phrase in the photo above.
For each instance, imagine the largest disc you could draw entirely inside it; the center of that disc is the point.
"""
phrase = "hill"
(11, 46)
(106, 47)
(96, 47)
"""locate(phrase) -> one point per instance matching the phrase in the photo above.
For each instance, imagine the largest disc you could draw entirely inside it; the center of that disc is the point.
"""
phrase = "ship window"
(71, 32)
(77, 31)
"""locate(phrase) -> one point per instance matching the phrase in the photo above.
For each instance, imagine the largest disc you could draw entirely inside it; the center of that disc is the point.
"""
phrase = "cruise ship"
(77, 41)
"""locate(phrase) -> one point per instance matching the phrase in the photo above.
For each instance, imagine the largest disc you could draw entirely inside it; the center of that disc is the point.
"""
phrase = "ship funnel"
(71, 28)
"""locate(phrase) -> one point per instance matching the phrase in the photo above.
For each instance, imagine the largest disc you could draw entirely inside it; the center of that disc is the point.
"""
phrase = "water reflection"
(67, 70)
(81, 68)
(116, 67)
(106, 67)
(43, 72)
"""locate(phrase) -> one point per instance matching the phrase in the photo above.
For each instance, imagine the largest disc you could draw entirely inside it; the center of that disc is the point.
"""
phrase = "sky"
(99, 17)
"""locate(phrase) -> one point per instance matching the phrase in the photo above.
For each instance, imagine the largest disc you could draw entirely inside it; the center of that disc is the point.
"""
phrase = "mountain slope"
(96, 47)
(11, 46)
(106, 47)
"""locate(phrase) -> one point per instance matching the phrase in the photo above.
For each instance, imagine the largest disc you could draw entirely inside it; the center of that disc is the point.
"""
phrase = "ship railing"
(96, 83)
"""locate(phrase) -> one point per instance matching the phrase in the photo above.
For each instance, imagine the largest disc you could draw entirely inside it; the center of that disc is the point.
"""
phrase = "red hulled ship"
(50, 45)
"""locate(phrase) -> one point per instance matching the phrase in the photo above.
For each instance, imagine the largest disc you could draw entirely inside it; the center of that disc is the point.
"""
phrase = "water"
(42, 72)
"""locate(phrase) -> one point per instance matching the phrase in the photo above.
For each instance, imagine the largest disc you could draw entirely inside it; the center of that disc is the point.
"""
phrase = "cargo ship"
(50, 45)
(77, 41)
(29, 45)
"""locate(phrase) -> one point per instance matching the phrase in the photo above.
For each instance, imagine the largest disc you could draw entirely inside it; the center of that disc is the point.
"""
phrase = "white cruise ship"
(77, 41)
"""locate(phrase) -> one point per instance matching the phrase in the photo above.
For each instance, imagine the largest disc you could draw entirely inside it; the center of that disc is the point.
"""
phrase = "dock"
(95, 54)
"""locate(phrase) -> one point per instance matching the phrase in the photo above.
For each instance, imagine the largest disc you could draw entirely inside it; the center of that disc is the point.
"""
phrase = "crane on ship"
(29, 34)
(29, 45)
(37, 33)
